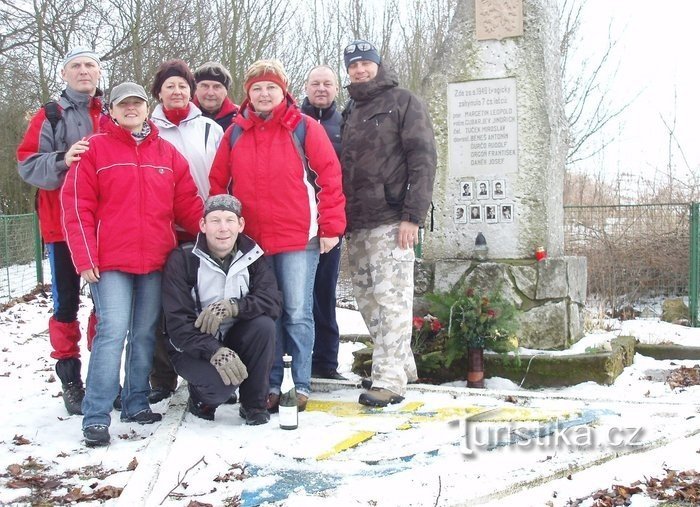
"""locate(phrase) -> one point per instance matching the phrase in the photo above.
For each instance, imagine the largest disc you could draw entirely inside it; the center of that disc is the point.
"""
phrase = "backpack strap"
(53, 113)
(236, 132)
(299, 138)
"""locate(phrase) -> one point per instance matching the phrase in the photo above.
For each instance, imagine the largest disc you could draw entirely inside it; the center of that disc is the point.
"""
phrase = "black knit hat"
(172, 68)
(361, 50)
(213, 71)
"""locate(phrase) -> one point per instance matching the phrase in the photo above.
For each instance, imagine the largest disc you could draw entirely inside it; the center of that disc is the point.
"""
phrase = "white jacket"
(196, 138)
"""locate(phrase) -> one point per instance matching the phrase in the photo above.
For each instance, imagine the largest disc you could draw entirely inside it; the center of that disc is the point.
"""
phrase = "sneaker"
(301, 402)
(232, 400)
(158, 394)
(327, 374)
(73, 394)
(254, 416)
(273, 403)
(199, 409)
(378, 397)
(96, 435)
(146, 416)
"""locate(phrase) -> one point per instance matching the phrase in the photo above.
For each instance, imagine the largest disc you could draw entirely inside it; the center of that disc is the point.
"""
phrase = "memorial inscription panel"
(482, 127)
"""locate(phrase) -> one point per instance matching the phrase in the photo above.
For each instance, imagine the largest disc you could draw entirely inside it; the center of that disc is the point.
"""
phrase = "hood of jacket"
(286, 113)
(384, 80)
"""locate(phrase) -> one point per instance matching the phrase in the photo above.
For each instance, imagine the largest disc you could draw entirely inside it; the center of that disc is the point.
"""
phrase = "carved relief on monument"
(498, 19)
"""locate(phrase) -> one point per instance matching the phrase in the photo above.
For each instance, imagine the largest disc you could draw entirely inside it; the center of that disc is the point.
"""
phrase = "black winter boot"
(68, 370)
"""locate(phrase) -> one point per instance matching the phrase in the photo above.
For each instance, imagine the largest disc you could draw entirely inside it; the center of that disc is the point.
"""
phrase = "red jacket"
(121, 202)
(283, 206)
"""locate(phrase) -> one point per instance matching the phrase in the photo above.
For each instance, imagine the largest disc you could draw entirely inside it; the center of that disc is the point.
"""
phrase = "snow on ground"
(415, 453)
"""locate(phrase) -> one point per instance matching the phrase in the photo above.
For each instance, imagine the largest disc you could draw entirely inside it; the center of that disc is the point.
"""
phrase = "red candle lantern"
(540, 253)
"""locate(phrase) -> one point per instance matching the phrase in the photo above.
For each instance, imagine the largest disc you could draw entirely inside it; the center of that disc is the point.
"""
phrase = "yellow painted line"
(411, 406)
(504, 413)
(348, 443)
(337, 408)
(410, 410)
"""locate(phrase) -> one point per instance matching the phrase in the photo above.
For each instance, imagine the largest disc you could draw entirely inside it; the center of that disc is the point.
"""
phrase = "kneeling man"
(220, 300)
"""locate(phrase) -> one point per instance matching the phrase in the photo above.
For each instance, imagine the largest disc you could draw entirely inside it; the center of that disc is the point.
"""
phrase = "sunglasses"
(362, 46)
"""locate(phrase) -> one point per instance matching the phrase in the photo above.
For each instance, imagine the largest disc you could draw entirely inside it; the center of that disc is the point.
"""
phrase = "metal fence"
(635, 253)
(21, 260)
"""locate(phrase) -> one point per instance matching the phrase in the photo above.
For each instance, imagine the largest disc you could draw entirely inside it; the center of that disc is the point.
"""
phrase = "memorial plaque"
(482, 127)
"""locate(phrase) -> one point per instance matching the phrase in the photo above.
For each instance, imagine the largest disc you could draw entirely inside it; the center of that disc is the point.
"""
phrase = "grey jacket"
(42, 151)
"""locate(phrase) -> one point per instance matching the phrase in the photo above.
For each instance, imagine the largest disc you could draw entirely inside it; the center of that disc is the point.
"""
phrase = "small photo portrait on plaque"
(499, 189)
(460, 216)
(506, 212)
(475, 213)
(466, 190)
(482, 189)
(490, 211)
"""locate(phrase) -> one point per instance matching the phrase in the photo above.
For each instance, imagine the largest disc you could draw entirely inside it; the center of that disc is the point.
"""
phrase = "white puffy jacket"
(196, 138)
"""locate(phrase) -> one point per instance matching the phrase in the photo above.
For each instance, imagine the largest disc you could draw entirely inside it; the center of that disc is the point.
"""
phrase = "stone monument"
(496, 100)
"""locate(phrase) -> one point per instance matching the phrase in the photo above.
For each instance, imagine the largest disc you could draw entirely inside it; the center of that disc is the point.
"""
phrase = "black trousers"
(163, 375)
(254, 342)
(327, 341)
(65, 283)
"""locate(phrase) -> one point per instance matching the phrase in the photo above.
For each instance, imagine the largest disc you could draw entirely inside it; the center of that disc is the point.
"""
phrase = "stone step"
(536, 370)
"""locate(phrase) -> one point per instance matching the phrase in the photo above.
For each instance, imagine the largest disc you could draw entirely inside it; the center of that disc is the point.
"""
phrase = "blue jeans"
(295, 272)
(128, 307)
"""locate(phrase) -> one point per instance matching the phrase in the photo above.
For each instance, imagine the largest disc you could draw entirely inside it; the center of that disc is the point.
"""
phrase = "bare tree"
(586, 83)
(422, 38)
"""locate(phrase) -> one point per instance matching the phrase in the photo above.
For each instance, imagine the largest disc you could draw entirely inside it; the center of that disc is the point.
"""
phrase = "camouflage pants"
(382, 279)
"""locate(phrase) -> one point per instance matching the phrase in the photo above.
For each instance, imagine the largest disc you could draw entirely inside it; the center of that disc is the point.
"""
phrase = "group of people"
(151, 212)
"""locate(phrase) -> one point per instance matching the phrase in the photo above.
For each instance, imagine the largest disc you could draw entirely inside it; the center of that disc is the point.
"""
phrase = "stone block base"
(550, 294)
(527, 370)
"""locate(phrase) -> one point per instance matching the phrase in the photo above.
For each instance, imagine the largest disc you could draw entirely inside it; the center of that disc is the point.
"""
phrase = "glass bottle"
(288, 410)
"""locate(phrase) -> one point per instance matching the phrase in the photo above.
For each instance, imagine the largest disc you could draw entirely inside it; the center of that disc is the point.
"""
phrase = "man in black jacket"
(388, 159)
(321, 90)
(220, 301)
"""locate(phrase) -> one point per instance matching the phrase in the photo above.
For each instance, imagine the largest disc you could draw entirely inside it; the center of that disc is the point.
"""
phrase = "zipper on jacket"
(140, 197)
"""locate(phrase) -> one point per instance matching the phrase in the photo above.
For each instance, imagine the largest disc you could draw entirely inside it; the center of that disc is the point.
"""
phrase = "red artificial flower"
(418, 322)
(491, 313)
(435, 326)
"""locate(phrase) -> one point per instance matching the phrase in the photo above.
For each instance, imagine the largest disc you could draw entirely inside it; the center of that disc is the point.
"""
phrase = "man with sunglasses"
(388, 158)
